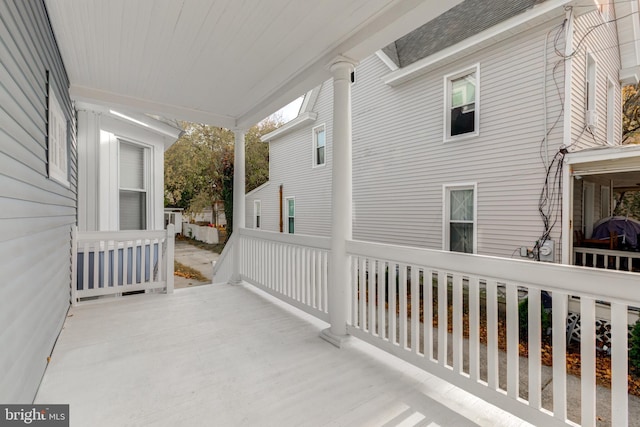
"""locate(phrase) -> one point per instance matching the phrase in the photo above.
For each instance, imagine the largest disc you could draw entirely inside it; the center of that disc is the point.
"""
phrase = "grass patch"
(213, 247)
(188, 272)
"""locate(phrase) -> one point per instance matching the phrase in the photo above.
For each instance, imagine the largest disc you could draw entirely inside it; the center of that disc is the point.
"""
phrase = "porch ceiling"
(227, 63)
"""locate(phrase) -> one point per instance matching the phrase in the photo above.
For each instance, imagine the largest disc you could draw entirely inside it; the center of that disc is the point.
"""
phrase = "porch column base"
(336, 340)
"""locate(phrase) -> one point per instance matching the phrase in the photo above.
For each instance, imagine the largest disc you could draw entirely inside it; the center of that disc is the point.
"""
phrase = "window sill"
(461, 137)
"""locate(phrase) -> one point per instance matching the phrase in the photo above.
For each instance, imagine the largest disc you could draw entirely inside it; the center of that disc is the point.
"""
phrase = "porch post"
(341, 208)
(238, 201)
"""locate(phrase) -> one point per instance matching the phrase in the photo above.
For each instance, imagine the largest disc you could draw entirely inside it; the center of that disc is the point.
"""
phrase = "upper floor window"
(133, 186)
(319, 146)
(611, 110)
(57, 141)
(591, 83)
(460, 218)
(462, 111)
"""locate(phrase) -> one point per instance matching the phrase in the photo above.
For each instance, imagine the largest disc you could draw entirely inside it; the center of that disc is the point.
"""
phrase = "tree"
(199, 166)
(630, 114)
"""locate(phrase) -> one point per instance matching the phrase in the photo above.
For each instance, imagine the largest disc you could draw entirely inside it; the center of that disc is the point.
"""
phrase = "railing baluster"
(415, 310)
(492, 334)
(381, 299)
(393, 306)
(513, 346)
(559, 307)
(125, 263)
(362, 295)
(588, 361)
(619, 375)
(96, 265)
(85, 266)
(371, 295)
(442, 318)
(535, 337)
(403, 306)
(457, 323)
(354, 291)
(474, 328)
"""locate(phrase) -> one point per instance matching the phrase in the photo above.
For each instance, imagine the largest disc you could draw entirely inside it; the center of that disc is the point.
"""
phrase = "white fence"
(116, 262)
(464, 291)
(606, 258)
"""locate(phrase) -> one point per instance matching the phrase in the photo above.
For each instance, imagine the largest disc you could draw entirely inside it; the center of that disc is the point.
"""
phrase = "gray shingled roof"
(457, 24)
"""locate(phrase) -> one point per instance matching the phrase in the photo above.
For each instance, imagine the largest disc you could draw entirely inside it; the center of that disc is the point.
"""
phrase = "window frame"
(146, 177)
(448, 80)
(257, 214)
(590, 83)
(446, 213)
(287, 216)
(611, 109)
(57, 140)
(314, 137)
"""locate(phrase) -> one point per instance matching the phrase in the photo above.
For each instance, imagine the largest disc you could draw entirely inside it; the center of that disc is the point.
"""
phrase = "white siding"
(401, 162)
(36, 213)
(290, 165)
(602, 43)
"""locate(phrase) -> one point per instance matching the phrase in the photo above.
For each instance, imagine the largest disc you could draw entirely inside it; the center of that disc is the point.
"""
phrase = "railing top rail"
(92, 236)
(609, 252)
(291, 239)
(609, 284)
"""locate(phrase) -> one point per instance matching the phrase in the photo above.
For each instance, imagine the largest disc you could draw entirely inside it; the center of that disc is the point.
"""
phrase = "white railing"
(459, 291)
(117, 262)
(291, 267)
(606, 258)
(223, 266)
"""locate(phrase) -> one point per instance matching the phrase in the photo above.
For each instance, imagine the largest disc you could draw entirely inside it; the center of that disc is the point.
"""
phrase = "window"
(462, 104)
(319, 145)
(257, 213)
(57, 141)
(460, 218)
(291, 215)
(133, 187)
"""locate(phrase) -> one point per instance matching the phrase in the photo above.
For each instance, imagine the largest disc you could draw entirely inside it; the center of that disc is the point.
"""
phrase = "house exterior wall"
(592, 36)
(291, 164)
(401, 161)
(37, 213)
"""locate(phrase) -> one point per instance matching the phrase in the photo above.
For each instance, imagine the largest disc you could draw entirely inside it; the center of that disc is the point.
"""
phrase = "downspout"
(567, 177)
(280, 204)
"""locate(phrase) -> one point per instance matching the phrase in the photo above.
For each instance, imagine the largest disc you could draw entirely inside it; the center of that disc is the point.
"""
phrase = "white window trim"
(286, 213)
(57, 144)
(447, 104)
(446, 190)
(591, 91)
(612, 107)
(314, 142)
(257, 206)
(147, 155)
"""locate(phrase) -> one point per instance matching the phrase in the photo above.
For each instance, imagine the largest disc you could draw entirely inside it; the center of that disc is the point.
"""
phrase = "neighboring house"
(449, 125)
(63, 165)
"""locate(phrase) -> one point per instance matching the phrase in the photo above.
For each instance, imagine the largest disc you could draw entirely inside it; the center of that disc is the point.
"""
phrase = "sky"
(290, 111)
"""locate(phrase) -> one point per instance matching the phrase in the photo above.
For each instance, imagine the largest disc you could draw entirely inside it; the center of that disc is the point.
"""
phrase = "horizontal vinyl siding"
(602, 42)
(401, 162)
(290, 165)
(36, 214)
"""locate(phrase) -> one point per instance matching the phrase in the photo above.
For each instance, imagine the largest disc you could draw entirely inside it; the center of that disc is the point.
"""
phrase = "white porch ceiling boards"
(223, 62)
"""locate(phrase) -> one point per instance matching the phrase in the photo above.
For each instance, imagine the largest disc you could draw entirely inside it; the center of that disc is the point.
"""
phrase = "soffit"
(224, 62)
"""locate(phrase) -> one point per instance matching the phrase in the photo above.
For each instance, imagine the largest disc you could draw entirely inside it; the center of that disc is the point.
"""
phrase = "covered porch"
(229, 355)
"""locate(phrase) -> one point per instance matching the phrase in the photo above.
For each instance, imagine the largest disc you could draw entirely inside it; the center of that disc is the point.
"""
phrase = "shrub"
(634, 347)
(523, 315)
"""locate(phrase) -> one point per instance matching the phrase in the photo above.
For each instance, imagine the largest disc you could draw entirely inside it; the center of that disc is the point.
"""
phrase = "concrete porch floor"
(221, 355)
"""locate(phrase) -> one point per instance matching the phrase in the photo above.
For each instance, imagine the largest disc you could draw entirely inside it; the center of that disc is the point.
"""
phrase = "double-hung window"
(133, 186)
(462, 110)
(460, 218)
(257, 213)
(57, 141)
(319, 146)
(291, 215)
